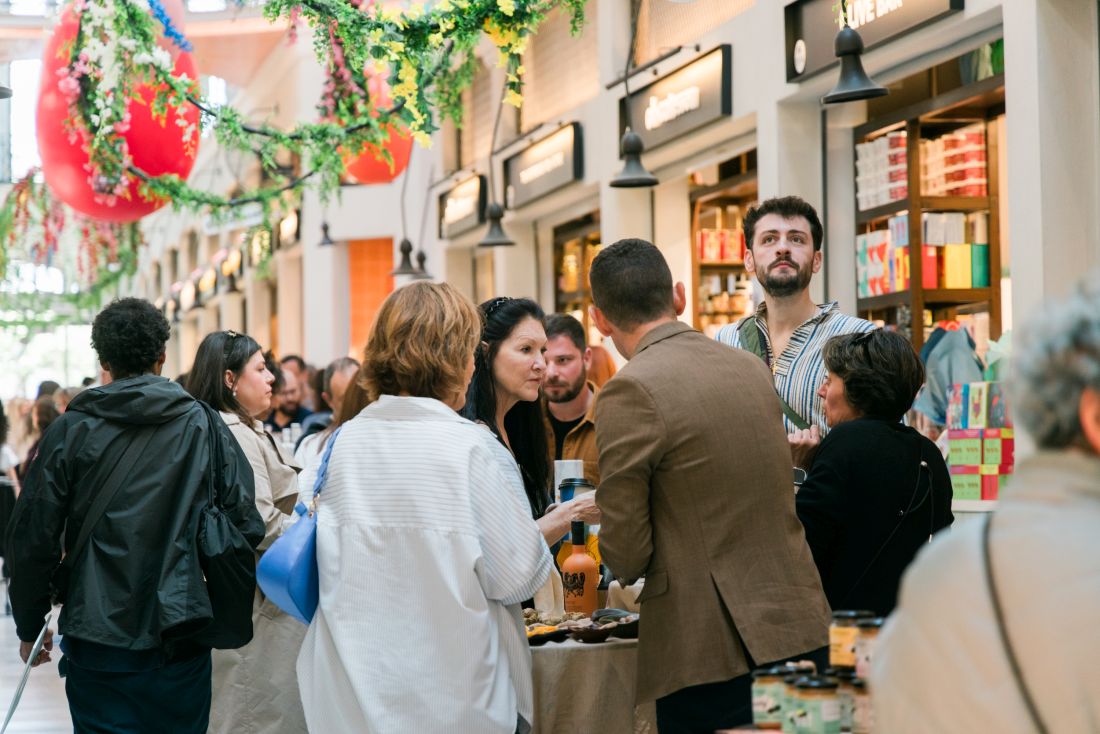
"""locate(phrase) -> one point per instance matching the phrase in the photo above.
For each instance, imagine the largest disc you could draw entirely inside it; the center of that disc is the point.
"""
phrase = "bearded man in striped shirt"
(788, 330)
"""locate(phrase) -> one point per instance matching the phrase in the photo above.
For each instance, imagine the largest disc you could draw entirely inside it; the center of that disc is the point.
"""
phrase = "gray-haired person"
(943, 662)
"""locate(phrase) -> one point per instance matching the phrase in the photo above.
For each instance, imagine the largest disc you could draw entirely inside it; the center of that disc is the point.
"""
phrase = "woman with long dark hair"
(231, 375)
(43, 414)
(504, 396)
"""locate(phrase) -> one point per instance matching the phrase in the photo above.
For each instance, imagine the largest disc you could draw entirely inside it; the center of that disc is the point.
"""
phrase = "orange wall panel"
(369, 281)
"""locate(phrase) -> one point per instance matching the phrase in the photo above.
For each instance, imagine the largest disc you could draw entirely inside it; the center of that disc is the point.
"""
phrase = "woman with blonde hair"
(425, 544)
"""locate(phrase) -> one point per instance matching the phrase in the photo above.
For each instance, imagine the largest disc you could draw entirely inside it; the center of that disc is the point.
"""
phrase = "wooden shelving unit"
(738, 191)
(980, 103)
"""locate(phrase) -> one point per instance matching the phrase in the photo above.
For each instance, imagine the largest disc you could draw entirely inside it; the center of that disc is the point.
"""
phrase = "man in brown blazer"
(697, 496)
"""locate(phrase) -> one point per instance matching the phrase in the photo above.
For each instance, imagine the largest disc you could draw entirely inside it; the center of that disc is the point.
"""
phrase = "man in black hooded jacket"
(136, 589)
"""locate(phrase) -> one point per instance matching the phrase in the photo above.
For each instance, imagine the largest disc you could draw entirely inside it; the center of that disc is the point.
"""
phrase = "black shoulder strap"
(108, 490)
(998, 613)
(749, 333)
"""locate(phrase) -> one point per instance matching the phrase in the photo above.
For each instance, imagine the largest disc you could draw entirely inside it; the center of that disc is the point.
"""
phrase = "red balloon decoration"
(371, 167)
(156, 147)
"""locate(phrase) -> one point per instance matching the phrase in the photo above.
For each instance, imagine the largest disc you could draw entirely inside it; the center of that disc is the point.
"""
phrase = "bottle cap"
(578, 533)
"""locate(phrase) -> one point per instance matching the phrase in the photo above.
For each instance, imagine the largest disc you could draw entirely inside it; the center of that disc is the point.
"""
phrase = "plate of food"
(543, 627)
(626, 623)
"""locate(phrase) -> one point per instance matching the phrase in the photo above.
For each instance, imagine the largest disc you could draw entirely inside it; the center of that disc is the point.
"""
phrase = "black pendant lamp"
(496, 236)
(853, 84)
(634, 175)
(421, 271)
(406, 267)
(326, 240)
(5, 92)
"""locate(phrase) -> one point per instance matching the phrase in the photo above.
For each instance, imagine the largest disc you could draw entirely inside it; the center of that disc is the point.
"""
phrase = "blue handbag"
(287, 572)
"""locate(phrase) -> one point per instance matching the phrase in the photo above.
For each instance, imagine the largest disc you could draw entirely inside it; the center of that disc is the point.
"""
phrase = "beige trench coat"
(255, 688)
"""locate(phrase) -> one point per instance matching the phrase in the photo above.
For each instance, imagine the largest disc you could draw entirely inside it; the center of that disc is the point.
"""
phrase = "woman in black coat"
(877, 490)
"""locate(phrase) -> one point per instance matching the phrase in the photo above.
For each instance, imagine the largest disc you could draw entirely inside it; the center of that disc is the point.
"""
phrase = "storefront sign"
(462, 208)
(243, 217)
(812, 25)
(544, 167)
(688, 98)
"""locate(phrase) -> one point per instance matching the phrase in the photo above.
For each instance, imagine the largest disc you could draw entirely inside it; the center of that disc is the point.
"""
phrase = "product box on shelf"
(979, 266)
(977, 405)
(997, 415)
(999, 446)
(966, 482)
(930, 266)
(956, 266)
(993, 480)
(957, 396)
(965, 446)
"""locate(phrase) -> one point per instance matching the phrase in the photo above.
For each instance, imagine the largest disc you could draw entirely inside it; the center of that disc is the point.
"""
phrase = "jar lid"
(577, 481)
(817, 683)
(869, 623)
(842, 674)
(777, 671)
(846, 614)
(859, 683)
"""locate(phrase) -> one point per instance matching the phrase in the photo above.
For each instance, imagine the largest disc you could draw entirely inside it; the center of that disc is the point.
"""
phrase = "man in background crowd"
(570, 399)
(303, 372)
(788, 331)
(336, 378)
(696, 496)
(289, 408)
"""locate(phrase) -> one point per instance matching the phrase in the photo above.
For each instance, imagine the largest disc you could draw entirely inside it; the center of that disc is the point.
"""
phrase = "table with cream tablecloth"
(589, 689)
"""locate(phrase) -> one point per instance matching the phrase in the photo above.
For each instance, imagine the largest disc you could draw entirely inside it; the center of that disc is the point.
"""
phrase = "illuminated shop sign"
(811, 27)
(688, 98)
(462, 208)
(544, 167)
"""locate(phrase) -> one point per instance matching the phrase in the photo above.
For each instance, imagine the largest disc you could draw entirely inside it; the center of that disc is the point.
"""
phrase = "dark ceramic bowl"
(555, 636)
(592, 634)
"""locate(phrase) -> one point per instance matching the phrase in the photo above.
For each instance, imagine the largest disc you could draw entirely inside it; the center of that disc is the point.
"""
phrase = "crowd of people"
(755, 482)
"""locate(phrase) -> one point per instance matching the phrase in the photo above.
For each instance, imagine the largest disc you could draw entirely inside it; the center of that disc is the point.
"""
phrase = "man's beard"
(781, 286)
(574, 389)
(290, 409)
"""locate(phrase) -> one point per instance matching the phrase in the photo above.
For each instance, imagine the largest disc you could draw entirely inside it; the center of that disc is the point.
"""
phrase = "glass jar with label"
(863, 716)
(845, 694)
(865, 644)
(842, 637)
(768, 695)
(818, 706)
(790, 703)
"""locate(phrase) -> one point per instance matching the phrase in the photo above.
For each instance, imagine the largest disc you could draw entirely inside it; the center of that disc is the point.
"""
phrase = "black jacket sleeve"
(238, 488)
(34, 533)
(821, 502)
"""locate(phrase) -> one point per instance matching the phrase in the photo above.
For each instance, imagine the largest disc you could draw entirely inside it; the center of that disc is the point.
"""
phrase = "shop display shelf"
(973, 505)
(721, 264)
(956, 296)
(954, 203)
(885, 211)
(885, 301)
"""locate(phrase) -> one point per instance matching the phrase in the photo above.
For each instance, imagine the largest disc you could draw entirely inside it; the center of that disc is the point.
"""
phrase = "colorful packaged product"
(965, 447)
(966, 482)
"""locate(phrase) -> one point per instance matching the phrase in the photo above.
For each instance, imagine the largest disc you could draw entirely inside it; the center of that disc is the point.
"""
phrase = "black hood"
(143, 400)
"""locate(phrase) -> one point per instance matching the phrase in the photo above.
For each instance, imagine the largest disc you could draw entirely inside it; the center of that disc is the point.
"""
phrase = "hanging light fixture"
(326, 240)
(495, 237)
(853, 84)
(421, 271)
(406, 267)
(634, 175)
(5, 92)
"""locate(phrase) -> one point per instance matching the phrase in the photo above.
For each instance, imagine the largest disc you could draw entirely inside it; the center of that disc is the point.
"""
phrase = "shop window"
(369, 282)
(18, 140)
(576, 245)
(664, 25)
(551, 87)
(720, 197)
(931, 236)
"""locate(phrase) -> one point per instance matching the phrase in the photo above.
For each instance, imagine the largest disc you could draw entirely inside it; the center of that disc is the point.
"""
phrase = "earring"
(234, 392)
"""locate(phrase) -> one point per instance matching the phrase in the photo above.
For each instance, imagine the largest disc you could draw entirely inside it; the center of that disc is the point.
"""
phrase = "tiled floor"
(43, 709)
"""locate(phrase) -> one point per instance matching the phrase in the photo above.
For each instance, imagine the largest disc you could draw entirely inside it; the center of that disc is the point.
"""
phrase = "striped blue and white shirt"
(800, 370)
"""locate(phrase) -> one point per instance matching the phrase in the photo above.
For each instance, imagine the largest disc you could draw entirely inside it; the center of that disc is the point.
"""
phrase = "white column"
(258, 311)
(231, 312)
(289, 302)
(1052, 96)
(672, 235)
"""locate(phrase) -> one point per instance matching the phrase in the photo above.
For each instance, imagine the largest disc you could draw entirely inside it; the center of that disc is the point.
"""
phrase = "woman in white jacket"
(425, 545)
(943, 661)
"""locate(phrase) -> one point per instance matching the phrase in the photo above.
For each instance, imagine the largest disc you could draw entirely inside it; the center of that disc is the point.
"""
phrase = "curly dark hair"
(129, 336)
(880, 370)
(787, 207)
(524, 423)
